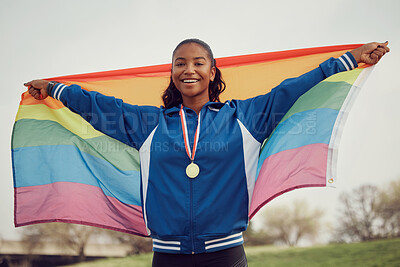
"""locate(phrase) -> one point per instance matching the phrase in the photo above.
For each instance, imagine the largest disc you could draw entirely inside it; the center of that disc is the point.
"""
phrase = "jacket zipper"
(191, 215)
(191, 209)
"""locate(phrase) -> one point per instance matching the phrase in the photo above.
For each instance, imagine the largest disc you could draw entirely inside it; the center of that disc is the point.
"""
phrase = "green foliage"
(367, 254)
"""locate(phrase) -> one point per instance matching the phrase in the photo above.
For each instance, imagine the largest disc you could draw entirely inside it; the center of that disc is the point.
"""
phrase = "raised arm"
(127, 123)
(270, 108)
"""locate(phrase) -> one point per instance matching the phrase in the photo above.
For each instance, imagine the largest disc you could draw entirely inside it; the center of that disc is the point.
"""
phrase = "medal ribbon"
(190, 154)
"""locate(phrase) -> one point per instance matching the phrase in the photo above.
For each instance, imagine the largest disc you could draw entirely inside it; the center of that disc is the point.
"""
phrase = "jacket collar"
(215, 106)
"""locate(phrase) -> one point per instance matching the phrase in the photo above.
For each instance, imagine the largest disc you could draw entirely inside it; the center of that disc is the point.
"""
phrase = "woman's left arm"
(271, 107)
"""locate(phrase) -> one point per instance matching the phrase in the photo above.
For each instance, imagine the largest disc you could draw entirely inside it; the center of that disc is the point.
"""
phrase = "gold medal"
(192, 170)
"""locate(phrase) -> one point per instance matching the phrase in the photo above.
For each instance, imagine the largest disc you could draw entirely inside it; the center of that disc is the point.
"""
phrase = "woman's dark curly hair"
(172, 97)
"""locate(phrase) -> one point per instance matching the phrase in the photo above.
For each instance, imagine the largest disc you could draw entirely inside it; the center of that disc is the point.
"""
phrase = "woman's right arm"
(127, 123)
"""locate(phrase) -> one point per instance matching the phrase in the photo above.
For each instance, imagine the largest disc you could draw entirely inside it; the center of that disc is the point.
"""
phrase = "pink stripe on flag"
(76, 203)
(288, 170)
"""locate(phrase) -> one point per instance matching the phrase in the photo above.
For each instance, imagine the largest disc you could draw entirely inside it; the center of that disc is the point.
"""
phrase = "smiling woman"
(192, 72)
(193, 65)
(196, 200)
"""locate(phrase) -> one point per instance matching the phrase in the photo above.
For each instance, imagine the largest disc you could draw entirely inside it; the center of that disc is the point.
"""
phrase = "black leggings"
(231, 257)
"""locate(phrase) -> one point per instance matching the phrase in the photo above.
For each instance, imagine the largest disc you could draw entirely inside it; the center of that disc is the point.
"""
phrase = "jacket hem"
(211, 245)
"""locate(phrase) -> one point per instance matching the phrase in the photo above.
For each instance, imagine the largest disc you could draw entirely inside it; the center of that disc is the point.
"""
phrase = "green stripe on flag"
(330, 93)
(30, 132)
(323, 95)
(63, 116)
(345, 76)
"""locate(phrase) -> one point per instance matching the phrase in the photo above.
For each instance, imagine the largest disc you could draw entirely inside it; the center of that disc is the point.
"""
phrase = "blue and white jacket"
(210, 212)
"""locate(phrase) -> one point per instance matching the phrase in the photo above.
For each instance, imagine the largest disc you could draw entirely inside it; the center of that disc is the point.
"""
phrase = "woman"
(198, 156)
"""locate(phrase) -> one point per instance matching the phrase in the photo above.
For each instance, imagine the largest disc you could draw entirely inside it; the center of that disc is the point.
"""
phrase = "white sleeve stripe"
(55, 90)
(344, 63)
(60, 91)
(349, 60)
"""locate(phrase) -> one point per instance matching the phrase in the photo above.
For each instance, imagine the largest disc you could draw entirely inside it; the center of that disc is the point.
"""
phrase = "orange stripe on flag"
(27, 99)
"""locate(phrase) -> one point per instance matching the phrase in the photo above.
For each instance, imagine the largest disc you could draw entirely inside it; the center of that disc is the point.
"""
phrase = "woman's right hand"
(37, 89)
(370, 53)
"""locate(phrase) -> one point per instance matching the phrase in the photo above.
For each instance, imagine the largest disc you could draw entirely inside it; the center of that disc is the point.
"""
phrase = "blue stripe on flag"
(31, 167)
(303, 128)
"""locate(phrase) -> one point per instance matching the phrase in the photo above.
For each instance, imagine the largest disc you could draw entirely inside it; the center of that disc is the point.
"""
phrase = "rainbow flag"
(94, 179)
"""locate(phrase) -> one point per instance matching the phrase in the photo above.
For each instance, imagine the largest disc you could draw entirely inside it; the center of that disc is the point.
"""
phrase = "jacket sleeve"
(261, 114)
(127, 123)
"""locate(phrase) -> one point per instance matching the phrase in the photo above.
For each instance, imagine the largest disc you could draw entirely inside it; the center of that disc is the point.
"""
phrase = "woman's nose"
(189, 69)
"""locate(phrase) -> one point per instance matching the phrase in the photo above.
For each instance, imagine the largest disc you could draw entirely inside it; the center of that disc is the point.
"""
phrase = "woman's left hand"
(370, 53)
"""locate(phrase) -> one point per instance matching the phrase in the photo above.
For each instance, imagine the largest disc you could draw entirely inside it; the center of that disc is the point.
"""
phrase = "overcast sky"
(41, 39)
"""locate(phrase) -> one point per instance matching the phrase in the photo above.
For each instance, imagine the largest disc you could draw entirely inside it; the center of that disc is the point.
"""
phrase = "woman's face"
(192, 71)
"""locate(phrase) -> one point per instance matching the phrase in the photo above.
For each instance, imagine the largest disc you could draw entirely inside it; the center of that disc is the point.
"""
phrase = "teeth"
(189, 81)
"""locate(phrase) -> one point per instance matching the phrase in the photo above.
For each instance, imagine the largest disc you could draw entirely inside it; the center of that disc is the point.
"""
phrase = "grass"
(375, 253)
(142, 260)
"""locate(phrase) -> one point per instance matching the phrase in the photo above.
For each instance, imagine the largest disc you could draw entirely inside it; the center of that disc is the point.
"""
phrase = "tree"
(389, 209)
(32, 237)
(289, 225)
(137, 244)
(256, 238)
(359, 218)
(65, 235)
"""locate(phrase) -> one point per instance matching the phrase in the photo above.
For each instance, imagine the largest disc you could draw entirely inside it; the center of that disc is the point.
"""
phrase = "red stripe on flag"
(288, 170)
(76, 203)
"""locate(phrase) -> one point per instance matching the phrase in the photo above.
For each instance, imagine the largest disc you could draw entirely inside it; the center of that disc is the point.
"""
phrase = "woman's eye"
(199, 64)
(179, 64)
